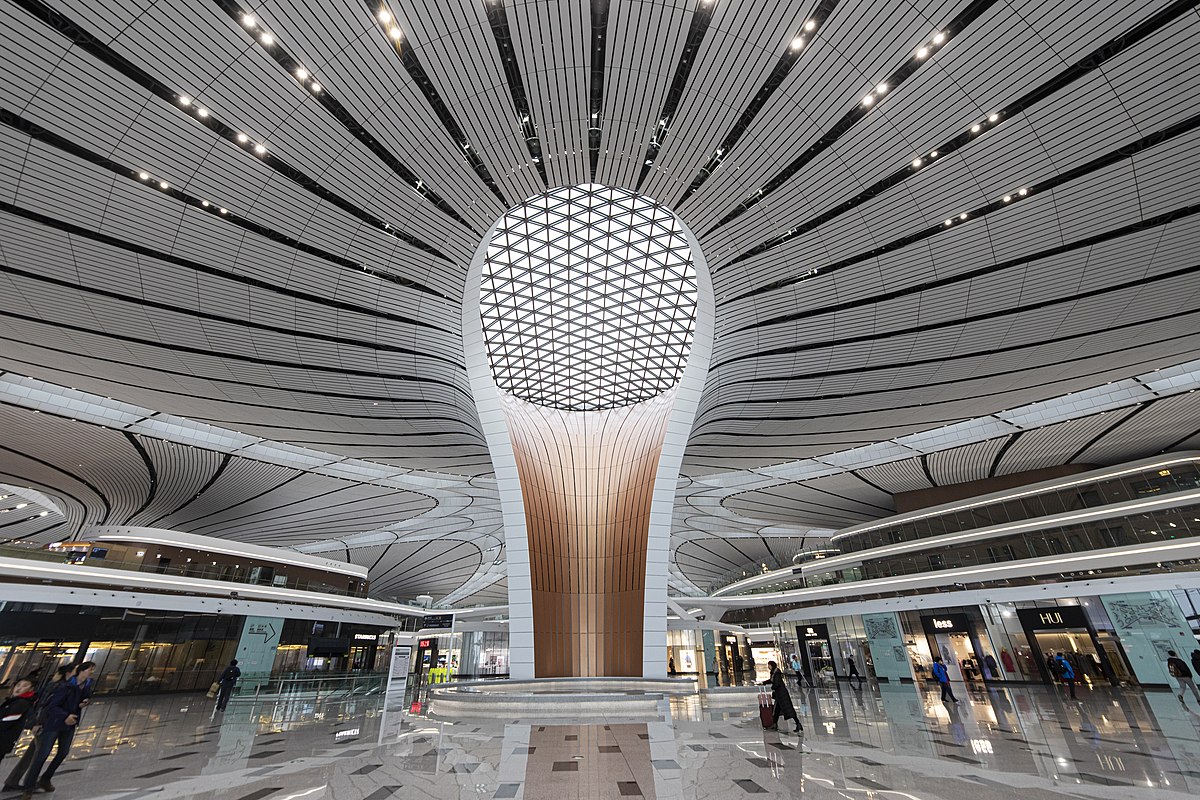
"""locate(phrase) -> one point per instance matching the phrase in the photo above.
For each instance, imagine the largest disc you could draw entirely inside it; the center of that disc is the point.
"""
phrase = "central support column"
(587, 479)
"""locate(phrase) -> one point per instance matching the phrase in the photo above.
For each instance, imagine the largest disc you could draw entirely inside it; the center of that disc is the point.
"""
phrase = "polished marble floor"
(878, 742)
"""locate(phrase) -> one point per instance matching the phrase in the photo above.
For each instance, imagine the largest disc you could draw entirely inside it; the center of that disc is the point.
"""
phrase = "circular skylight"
(588, 299)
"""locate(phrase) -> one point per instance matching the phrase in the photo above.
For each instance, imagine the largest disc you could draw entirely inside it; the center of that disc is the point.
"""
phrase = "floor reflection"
(883, 742)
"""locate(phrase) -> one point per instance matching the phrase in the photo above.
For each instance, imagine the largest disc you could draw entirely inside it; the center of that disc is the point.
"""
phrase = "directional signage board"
(437, 622)
(256, 648)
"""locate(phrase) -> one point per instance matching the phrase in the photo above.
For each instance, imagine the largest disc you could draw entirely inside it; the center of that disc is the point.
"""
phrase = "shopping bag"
(214, 690)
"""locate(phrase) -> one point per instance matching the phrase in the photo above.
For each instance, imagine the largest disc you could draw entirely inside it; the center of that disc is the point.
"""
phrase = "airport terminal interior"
(590, 399)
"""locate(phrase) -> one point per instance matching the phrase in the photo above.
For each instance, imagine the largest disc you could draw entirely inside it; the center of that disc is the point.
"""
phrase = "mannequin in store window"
(968, 670)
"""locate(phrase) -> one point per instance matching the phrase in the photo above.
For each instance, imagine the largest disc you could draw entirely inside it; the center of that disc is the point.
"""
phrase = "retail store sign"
(1034, 619)
(365, 637)
(946, 623)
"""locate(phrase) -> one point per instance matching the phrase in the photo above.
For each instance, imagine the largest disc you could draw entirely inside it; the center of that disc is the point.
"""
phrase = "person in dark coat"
(13, 782)
(781, 697)
(60, 716)
(14, 713)
(227, 681)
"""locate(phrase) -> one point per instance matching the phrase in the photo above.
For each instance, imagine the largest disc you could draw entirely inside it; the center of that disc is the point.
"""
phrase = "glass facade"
(1178, 477)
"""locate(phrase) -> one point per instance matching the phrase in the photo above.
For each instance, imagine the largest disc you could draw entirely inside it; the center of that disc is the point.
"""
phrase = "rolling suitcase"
(766, 709)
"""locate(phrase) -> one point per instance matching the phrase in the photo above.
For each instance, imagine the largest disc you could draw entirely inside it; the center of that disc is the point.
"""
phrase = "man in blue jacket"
(60, 716)
(1066, 672)
(943, 679)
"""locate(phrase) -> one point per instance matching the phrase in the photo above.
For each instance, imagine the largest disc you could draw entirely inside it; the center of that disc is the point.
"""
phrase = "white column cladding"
(492, 420)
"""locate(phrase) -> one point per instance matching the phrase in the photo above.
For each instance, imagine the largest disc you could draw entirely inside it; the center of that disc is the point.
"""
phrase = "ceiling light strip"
(497, 16)
(791, 54)
(861, 109)
(147, 177)
(395, 35)
(702, 16)
(598, 55)
(269, 42)
(1121, 153)
(74, 32)
(1072, 74)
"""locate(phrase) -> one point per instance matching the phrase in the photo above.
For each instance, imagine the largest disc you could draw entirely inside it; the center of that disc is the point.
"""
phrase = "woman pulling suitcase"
(782, 700)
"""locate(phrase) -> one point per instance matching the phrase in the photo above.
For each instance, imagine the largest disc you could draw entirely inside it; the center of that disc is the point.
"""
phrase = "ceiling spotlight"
(144, 176)
(224, 211)
(249, 21)
(811, 25)
(933, 153)
(868, 100)
(205, 203)
(395, 32)
(917, 162)
(184, 100)
(975, 128)
(385, 16)
(798, 42)
(993, 117)
(1008, 198)
(1023, 192)
(962, 215)
(201, 112)
(881, 88)
(922, 52)
(267, 39)
(302, 74)
(260, 148)
(164, 185)
(939, 37)
(949, 222)
(316, 87)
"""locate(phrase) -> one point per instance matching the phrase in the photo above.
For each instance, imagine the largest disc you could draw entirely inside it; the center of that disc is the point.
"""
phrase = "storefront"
(1068, 630)
(958, 639)
(816, 651)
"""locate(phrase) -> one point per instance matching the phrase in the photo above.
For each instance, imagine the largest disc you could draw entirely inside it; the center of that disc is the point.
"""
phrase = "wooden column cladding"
(587, 479)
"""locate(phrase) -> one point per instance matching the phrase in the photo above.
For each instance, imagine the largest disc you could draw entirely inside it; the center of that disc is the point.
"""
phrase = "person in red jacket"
(14, 712)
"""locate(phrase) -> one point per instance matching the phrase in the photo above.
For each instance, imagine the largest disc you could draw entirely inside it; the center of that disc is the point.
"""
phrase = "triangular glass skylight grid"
(583, 287)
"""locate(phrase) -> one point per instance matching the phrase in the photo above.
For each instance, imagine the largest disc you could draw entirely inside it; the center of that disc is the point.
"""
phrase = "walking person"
(1196, 662)
(13, 782)
(782, 698)
(227, 681)
(60, 717)
(1180, 672)
(799, 670)
(14, 714)
(942, 676)
(1066, 673)
(852, 670)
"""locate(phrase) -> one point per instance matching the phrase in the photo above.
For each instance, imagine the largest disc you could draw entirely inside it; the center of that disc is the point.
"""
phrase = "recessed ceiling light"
(939, 37)
(242, 138)
(933, 154)
(798, 42)
(1023, 192)
(20, 505)
(267, 39)
(962, 215)
(1008, 198)
(385, 16)
(302, 74)
(917, 162)
(201, 111)
(993, 117)
(144, 176)
(881, 88)
(316, 87)
(975, 128)
(949, 222)
(249, 21)
(922, 52)
(811, 25)
(164, 185)
(868, 100)
(205, 203)
(260, 148)
(184, 100)
(224, 211)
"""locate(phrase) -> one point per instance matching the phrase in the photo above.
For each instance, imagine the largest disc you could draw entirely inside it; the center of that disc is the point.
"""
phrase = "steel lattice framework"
(589, 299)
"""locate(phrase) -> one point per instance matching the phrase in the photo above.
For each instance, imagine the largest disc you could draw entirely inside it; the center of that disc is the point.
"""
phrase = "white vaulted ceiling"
(259, 218)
